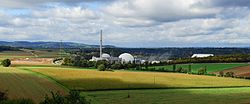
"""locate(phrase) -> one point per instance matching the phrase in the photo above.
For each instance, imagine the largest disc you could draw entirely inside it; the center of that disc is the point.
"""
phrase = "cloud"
(35, 3)
(159, 10)
(130, 23)
(224, 3)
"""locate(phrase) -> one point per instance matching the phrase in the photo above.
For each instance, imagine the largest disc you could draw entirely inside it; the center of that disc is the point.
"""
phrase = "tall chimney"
(101, 44)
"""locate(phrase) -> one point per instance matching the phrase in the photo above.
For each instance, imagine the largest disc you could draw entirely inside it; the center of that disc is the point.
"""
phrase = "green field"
(211, 67)
(173, 96)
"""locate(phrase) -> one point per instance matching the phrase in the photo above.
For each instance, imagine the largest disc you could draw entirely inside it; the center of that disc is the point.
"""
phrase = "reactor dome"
(126, 57)
(105, 55)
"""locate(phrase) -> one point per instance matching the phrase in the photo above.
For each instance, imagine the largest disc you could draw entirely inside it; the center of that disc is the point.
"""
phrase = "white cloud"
(132, 23)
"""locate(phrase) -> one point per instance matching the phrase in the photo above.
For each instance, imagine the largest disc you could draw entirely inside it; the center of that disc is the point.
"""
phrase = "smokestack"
(101, 44)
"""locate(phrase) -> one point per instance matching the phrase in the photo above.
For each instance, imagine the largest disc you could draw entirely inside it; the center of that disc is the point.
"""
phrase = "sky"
(129, 23)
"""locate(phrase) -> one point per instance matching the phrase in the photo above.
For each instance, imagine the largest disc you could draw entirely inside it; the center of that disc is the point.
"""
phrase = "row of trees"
(214, 59)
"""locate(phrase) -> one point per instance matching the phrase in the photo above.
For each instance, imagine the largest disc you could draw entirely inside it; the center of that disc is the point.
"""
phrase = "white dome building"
(105, 55)
(126, 57)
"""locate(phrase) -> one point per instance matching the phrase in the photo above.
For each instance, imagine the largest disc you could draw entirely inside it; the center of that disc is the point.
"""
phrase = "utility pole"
(61, 49)
(101, 44)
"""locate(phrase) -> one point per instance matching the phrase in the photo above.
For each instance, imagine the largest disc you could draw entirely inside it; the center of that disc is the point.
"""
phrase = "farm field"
(173, 96)
(24, 84)
(238, 71)
(211, 67)
(26, 53)
(87, 80)
(15, 54)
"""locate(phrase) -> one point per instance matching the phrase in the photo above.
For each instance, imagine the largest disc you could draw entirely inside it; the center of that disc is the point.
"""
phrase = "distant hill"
(27, 44)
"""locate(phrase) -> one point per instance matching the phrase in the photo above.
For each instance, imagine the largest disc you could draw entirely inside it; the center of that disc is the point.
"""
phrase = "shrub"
(202, 71)
(101, 67)
(229, 74)
(184, 71)
(179, 69)
(116, 66)
(174, 68)
(6, 62)
(3, 96)
(221, 73)
(74, 97)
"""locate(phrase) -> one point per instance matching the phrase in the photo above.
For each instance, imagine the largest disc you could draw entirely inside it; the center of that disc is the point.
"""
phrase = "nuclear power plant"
(123, 58)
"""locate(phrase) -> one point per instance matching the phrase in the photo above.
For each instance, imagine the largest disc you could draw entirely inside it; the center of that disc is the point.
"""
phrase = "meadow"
(172, 96)
(211, 67)
(88, 80)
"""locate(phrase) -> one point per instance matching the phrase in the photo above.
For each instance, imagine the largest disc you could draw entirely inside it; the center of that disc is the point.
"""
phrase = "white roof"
(105, 55)
(201, 55)
(126, 57)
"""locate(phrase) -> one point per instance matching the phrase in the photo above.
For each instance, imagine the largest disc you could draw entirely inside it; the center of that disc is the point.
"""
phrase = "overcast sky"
(129, 23)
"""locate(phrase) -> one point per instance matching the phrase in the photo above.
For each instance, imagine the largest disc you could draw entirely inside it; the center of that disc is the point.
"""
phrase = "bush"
(74, 97)
(116, 66)
(229, 74)
(179, 69)
(101, 67)
(221, 73)
(6, 62)
(202, 71)
(3, 96)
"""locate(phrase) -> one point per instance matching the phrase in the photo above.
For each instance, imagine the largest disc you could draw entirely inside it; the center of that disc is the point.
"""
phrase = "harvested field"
(238, 71)
(32, 61)
(14, 54)
(99, 80)
(24, 84)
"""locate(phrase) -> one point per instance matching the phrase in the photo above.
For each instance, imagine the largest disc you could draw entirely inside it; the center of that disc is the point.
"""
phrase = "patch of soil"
(238, 71)
(32, 61)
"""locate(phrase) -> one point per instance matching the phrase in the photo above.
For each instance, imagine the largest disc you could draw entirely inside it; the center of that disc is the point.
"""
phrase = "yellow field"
(98, 80)
(24, 84)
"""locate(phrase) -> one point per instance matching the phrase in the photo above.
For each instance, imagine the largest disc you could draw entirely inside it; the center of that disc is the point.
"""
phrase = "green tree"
(6, 62)
(221, 73)
(174, 67)
(189, 68)
(202, 71)
(179, 69)
(101, 67)
(229, 74)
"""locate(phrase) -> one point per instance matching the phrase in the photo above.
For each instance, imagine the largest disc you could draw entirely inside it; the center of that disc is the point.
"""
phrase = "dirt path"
(23, 84)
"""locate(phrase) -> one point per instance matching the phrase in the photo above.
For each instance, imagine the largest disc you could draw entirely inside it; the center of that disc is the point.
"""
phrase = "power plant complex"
(123, 58)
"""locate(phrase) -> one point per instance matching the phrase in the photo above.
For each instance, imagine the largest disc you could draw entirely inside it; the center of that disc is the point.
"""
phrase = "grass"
(211, 67)
(24, 84)
(173, 96)
(96, 80)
